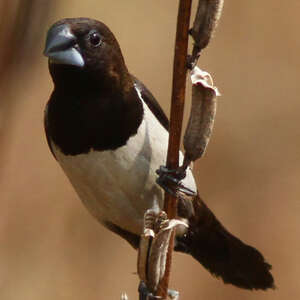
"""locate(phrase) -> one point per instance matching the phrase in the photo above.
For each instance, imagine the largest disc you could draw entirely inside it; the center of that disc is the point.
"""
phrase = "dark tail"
(223, 254)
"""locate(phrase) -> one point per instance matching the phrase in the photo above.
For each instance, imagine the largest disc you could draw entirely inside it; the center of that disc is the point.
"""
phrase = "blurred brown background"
(51, 248)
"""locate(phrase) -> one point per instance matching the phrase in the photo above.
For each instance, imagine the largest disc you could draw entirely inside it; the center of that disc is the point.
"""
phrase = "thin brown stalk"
(177, 107)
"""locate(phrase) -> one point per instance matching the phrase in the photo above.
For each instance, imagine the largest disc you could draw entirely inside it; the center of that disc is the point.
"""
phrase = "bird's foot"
(145, 294)
(170, 181)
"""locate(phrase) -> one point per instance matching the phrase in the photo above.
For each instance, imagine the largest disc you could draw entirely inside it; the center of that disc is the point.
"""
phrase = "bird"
(110, 135)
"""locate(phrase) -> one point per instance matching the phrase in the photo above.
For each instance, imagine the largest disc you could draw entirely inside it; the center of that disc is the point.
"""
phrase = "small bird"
(110, 135)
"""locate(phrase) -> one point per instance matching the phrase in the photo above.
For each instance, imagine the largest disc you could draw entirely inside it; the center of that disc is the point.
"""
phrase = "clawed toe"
(170, 181)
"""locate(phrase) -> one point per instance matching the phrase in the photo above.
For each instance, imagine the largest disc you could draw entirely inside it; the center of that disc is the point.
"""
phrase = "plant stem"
(177, 108)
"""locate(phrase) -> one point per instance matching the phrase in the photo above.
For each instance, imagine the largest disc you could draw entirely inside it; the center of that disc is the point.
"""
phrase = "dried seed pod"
(206, 19)
(157, 257)
(158, 252)
(145, 243)
(202, 115)
(154, 246)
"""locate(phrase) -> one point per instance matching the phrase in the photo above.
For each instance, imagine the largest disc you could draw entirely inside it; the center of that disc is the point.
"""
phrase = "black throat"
(86, 112)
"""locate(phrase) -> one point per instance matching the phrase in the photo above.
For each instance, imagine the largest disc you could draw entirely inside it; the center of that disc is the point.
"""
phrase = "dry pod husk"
(154, 246)
(203, 110)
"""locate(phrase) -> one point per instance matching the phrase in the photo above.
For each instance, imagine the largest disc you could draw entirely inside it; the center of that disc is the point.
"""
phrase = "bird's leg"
(170, 180)
(144, 293)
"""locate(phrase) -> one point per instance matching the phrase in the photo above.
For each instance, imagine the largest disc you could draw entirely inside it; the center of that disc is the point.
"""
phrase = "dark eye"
(95, 39)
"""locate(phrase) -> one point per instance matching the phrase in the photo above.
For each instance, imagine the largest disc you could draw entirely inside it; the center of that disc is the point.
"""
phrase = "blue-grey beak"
(60, 47)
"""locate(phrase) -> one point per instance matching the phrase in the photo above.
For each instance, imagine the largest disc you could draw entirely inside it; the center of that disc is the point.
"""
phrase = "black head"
(94, 104)
(86, 47)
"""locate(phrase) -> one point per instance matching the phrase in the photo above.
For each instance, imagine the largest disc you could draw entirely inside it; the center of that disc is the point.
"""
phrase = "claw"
(145, 294)
(177, 174)
(170, 181)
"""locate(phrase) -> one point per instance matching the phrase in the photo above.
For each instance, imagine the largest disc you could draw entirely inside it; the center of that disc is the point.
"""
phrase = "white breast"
(118, 186)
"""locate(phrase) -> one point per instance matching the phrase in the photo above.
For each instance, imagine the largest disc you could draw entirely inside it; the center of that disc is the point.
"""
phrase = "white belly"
(118, 186)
